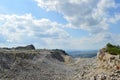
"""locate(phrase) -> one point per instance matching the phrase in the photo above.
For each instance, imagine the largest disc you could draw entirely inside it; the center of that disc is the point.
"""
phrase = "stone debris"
(43, 64)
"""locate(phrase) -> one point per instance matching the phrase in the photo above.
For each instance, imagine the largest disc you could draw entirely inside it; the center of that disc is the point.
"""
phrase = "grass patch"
(113, 49)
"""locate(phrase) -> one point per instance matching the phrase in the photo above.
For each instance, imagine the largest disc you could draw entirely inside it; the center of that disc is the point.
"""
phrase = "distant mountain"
(83, 54)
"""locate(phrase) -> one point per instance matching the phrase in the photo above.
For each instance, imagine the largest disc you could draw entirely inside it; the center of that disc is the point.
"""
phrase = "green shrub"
(113, 49)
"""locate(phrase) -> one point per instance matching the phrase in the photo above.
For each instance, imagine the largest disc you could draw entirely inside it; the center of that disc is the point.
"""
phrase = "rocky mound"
(60, 55)
(44, 64)
(28, 47)
(17, 64)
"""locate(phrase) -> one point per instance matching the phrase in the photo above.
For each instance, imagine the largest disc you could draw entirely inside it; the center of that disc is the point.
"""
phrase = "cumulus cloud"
(90, 15)
(18, 28)
(93, 42)
(115, 18)
(25, 29)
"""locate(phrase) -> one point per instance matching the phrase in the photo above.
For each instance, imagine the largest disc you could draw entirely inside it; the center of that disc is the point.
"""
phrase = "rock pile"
(114, 75)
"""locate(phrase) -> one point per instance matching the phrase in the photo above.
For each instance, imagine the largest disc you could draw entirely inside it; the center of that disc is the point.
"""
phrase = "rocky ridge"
(56, 64)
(31, 64)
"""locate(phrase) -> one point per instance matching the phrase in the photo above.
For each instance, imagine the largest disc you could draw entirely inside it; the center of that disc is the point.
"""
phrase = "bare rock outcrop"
(108, 61)
(43, 64)
(28, 47)
(105, 67)
(61, 55)
(108, 66)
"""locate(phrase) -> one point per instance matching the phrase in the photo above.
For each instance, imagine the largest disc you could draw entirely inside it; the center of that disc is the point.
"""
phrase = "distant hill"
(83, 54)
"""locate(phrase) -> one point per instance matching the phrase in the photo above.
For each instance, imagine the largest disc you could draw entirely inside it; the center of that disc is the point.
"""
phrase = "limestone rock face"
(108, 61)
(108, 66)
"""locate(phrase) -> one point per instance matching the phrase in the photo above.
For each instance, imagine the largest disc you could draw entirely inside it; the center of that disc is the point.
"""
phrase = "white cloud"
(18, 28)
(25, 29)
(90, 15)
(92, 42)
(115, 18)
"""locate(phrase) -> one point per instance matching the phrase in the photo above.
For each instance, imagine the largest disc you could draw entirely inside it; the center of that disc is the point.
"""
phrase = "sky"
(62, 24)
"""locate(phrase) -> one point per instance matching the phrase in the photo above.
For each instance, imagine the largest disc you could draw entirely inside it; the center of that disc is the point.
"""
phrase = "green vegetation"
(113, 49)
